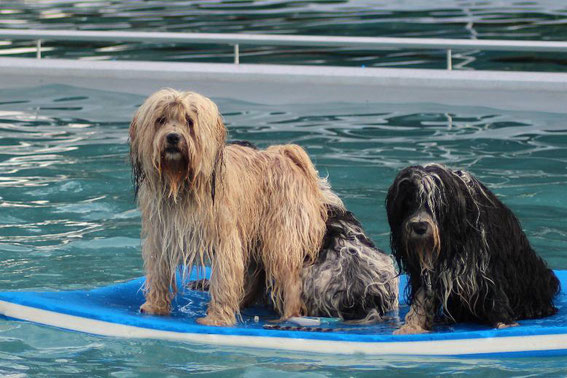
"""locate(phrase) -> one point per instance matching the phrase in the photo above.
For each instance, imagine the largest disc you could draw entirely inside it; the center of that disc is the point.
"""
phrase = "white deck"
(278, 84)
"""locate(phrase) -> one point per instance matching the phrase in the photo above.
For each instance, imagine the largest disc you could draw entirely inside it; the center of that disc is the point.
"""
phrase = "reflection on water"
(68, 218)
(467, 19)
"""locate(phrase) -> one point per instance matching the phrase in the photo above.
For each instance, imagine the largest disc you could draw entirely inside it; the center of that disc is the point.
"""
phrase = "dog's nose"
(172, 138)
(419, 228)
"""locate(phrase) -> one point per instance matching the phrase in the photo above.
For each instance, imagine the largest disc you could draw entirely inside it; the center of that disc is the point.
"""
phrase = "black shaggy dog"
(467, 258)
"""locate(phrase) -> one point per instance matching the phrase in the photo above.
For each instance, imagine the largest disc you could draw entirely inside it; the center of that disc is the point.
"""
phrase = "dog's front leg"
(159, 278)
(226, 284)
(499, 312)
(421, 314)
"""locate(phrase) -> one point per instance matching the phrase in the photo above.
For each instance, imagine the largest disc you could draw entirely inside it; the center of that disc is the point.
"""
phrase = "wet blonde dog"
(234, 207)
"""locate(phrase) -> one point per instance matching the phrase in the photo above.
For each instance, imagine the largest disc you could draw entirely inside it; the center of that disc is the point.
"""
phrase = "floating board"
(113, 311)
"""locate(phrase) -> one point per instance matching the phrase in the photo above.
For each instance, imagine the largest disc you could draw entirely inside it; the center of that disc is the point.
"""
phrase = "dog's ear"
(137, 170)
(132, 138)
(133, 126)
(217, 166)
(221, 131)
(395, 204)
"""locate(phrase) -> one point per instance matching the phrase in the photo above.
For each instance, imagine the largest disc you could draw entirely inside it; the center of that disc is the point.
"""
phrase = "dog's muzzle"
(419, 228)
(173, 139)
(172, 145)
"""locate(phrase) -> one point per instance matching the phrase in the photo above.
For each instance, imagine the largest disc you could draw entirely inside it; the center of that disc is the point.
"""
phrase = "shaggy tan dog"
(236, 208)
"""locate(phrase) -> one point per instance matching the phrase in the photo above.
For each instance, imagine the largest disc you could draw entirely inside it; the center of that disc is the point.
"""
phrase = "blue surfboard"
(114, 311)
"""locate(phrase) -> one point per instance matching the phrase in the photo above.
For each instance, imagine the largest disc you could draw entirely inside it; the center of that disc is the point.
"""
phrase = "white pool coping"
(289, 84)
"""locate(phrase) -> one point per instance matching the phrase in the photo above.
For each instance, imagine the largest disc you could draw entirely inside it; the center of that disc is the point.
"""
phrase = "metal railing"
(367, 43)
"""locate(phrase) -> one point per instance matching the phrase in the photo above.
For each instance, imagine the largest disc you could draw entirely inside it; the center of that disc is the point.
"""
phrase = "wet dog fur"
(466, 255)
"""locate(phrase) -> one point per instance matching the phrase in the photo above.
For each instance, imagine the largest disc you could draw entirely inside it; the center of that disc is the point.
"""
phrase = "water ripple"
(508, 19)
(68, 218)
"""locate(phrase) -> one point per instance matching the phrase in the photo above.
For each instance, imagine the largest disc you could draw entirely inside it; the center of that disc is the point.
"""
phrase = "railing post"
(236, 54)
(449, 60)
(38, 49)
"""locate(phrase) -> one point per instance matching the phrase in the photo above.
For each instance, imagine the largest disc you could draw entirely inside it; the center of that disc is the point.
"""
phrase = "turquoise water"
(467, 19)
(68, 218)
(67, 213)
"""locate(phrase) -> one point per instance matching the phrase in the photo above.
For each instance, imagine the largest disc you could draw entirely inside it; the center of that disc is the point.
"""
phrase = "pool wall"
(287, 84)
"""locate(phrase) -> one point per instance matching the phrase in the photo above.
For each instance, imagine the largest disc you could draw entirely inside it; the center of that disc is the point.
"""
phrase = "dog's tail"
(300, 158)
(302, 161)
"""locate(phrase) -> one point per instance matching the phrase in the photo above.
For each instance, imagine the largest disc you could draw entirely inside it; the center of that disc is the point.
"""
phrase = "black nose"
(172, 138)
(419, 228)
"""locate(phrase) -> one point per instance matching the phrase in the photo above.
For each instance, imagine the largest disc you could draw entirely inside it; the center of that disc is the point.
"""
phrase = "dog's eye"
(160, 121)
(189, 121)
(428, 208)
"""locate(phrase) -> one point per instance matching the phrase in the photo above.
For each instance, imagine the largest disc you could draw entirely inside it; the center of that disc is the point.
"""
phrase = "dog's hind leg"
(420, 316)
(292, 226)
(283, 262)
(287, 292)
(226, 283)
(293, 304)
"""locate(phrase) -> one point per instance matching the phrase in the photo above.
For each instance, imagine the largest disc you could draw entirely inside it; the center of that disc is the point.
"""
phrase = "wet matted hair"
(257, 217)
(464, 251)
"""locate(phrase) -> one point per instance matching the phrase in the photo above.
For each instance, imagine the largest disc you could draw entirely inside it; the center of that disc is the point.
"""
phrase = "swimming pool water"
(68, 217)
(67, 214)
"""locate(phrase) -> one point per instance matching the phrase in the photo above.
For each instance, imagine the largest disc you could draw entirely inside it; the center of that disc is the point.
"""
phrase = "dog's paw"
(149, 309)
(410, 330)
(212, 321)
(501, 325)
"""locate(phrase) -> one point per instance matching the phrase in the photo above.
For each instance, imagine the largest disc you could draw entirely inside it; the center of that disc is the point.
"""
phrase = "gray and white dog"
(351, 278)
